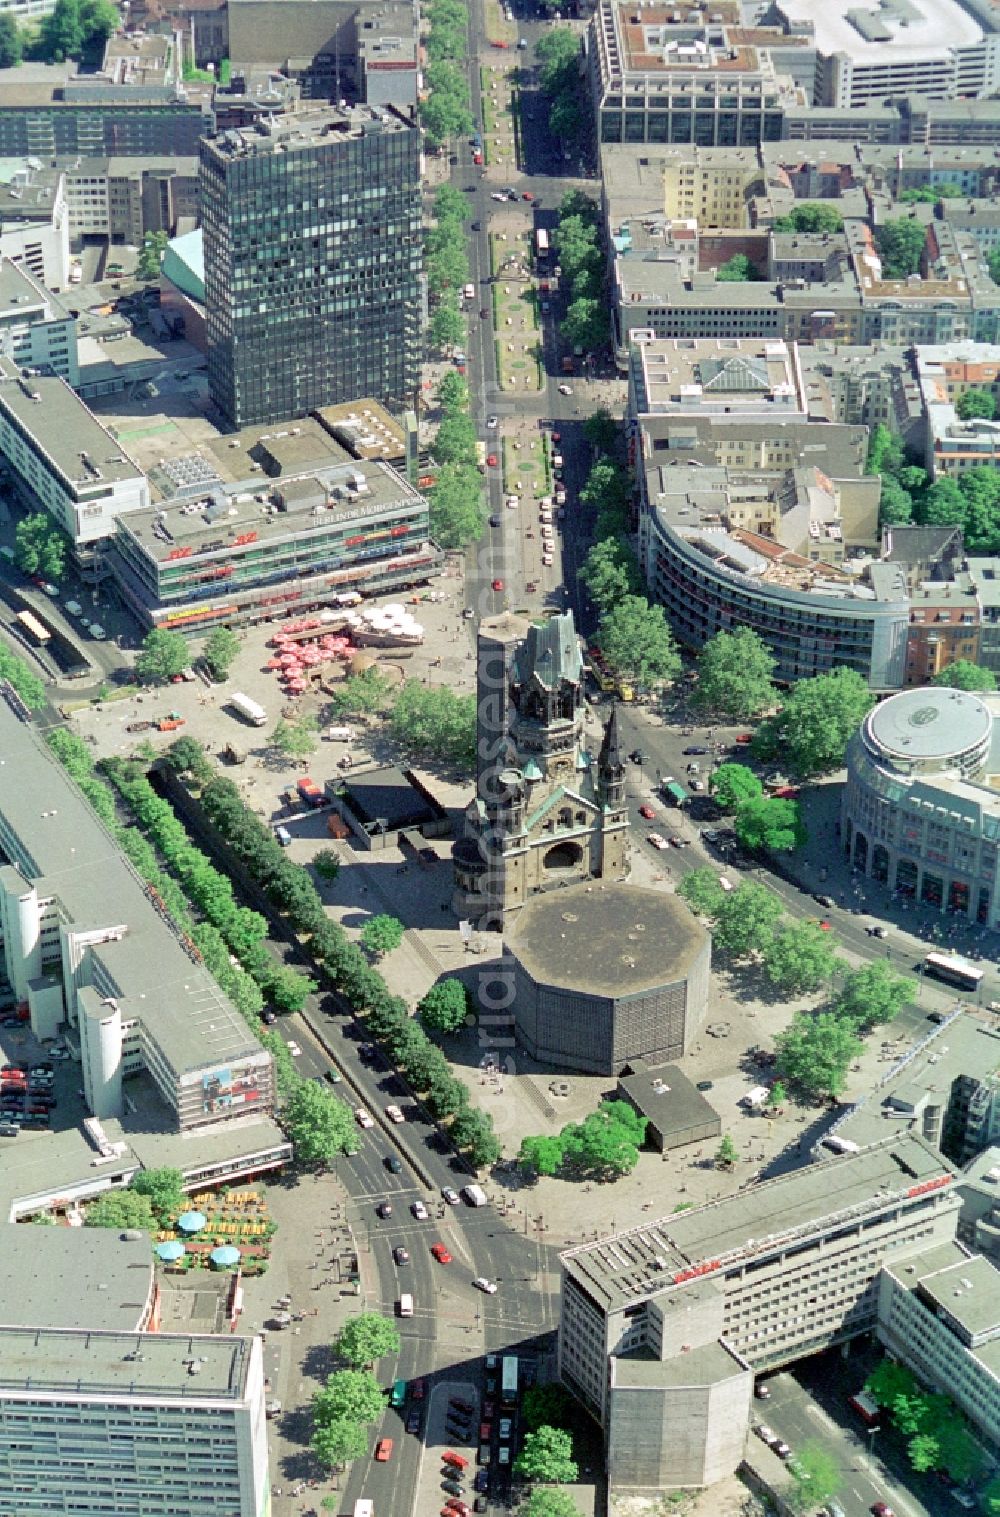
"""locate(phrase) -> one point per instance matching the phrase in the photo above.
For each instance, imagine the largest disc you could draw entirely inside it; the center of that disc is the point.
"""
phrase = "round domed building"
(921, 811)
(606, 972)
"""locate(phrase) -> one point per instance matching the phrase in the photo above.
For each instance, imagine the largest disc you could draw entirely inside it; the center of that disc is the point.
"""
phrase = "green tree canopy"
(702, 891)
(472, 1133)
(965, 675)
(220, 652)
(433, 721)
(455, 440)
(326, 864)
(381, 935)
(445, 1007)
(163, 655)
(772, 822)
(975, 404)
(610, 572)
(586, 323)
(872, 995)
(541, 1155)
(349, 1394)
(735, 672)
(638, 644)
(122, 1209)
(745, 919)
(550, 1503)
(815, 1475)
(319, 1125)
(447, 325)
(815, 1052)
(296, 738)
(819, 716)
(363, 694)
(811, 217)
(336, 1443)
(800, 958)
(901, 246)
(732, 785)
(453, 392)
(549, 1403)
(11, 50)
(164, 1189)
(736, 270)
(727, 1153)
(602, 431)
(39, 545)
(895, 503)
(606, 1143)
(457, 506)
(547, 1456)
(365, 1339)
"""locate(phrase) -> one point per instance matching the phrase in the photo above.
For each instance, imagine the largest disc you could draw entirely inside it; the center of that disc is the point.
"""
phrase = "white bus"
(364, 1508)
(248, 709)
(953, 970)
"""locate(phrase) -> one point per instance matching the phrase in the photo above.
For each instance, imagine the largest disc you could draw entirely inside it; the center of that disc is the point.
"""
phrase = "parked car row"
(26, 1096)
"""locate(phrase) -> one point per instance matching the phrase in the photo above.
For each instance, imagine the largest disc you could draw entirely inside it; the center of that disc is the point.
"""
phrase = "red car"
(440, 1253)
(498, 584)
(881, 1509)
(528, 196)
(786, 792)
(383, 1450)
(417, 1390)
(456, 1508)
(648, 813)
(491, 459)
(744, 737)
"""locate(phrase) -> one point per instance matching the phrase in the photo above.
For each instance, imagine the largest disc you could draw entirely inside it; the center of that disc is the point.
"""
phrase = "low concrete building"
(36, 329)
(688, 1414)
(379, 805)
(78, 1277)
(35, 222)
(676, 1112)
(605, 973)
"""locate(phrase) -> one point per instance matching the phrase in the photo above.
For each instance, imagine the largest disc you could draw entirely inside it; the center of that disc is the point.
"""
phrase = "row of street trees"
(560, 79)
(972, 501)
(351, 1398)
(633, 635)
(445, 110)
(457, 501)
(164, 654)
(798, 958)
(604, 1146)
(577, 242)
(939, 1437)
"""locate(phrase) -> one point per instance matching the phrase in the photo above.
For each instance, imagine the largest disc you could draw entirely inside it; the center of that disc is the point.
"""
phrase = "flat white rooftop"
(917, 29)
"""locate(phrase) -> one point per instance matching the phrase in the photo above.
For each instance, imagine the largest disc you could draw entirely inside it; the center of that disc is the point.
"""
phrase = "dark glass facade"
(313, 264)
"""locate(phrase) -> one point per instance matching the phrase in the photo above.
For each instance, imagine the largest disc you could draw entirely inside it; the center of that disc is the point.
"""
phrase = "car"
(875, 930)
(419, 1210)
(824, 900)
(491, 421)
(450, 1194)
(648, 813)
(677, 842)
(383, 1450)
(482, 1480)
(367, 1053)
(708, 1085)
(694, 749)
(294, 1049)
(635, 757)
(765, 1434)
(484, 313)
(761, 1391)
(487, 1286)
(528, 196)
(461, 1406)
(440, 1253)
(565, 389)
(492, 461)
(693, 768)
(503, 1457)
(696, 785)
(332, 1076)
(456, 1508)
(498, 584)
(743, 738)
(400, 1255)
(393, 1165)
(414, 1419)
(363, 1118)
(394, 1114)
(496, 521)
(268, 1017)
(384, 1208)
(658, 842)
(485, 1433)
(782, 1449)
(475, 226)
(452, 1487)
(882, 1509)
(467, 613)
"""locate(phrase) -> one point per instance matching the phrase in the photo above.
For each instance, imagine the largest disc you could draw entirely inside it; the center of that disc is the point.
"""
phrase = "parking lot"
(35, 1078)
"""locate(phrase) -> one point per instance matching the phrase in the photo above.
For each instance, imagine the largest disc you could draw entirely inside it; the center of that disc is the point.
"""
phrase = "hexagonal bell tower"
(544, 815)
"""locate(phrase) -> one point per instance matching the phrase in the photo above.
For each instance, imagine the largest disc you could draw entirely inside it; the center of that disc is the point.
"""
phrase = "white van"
(756, 1098)
(726, 883)
(406, 1305)
(283, 835)
(340, 734)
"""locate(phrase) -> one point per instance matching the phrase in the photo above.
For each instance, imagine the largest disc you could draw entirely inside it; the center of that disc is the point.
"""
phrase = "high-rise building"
(313, 262)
